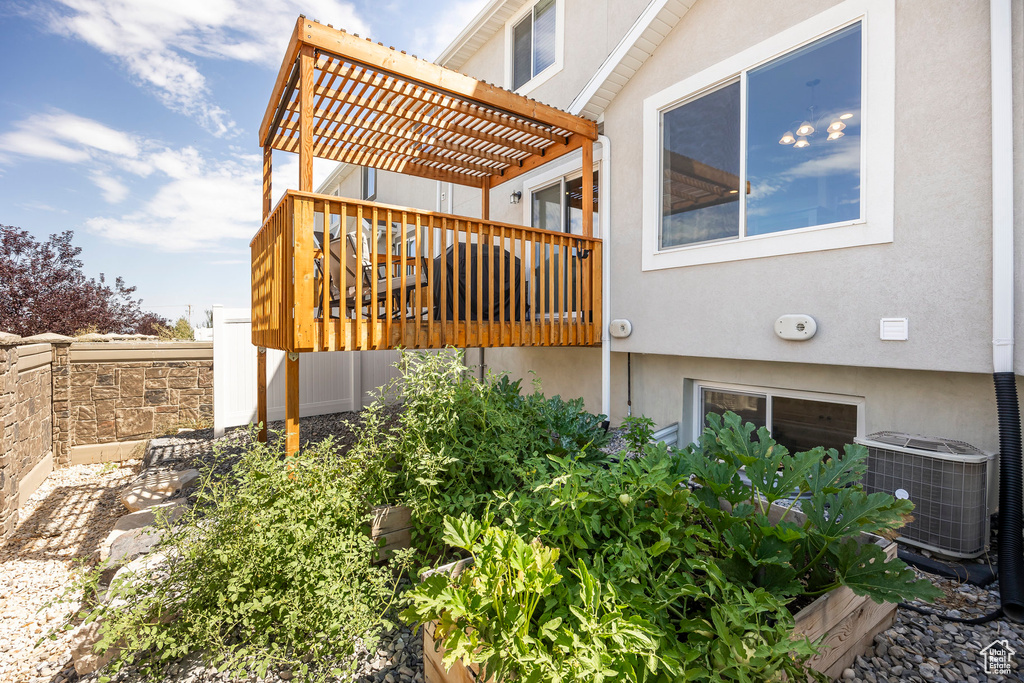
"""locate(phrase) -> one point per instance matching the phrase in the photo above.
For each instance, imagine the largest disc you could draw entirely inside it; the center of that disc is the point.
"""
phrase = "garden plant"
(653, 564)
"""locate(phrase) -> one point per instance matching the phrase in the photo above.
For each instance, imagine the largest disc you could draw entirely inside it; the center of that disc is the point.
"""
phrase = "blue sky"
(134, 123)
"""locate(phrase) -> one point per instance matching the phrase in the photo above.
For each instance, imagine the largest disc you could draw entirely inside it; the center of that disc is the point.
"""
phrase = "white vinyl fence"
(328, 382)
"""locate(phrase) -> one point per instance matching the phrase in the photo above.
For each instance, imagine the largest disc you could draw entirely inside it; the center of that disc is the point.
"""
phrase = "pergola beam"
(433, 76)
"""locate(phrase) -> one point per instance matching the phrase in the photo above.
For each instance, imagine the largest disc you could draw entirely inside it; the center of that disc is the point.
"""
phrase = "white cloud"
(428, 41)
(200, 204)
(158, 41)
(113, 190)
(60, 136)
(214, 203)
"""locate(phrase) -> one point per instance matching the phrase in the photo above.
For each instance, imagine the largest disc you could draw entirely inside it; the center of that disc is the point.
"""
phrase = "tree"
(43, 289)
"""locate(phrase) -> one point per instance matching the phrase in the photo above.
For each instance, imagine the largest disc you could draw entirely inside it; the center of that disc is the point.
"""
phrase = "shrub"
(272, 568)
(443, 442)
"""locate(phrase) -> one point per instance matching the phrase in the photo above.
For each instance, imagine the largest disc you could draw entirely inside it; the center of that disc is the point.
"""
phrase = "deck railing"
(333, 274)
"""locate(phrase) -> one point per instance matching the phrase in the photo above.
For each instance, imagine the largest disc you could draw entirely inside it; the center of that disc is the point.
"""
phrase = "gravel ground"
(66, 519)
(62, 523)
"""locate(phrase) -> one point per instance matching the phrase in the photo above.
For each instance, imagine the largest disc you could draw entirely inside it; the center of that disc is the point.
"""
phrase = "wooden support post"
(261, 392)
(291, 405)
(306, 87)
(485, 199)
(588, 188)
(261, 352)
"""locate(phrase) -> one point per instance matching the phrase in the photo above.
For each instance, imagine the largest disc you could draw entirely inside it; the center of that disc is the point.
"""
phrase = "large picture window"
(801, 115)
(775, 150)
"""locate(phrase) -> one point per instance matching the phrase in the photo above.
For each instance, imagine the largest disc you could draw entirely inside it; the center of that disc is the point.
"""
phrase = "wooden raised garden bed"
(848, 622)
(392, 527)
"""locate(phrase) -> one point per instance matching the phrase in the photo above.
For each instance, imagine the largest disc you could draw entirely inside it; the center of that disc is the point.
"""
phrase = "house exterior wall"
(936, 272)
(713, 322)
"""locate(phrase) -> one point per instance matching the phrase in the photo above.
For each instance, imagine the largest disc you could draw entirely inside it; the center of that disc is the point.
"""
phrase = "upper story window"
(534, 37)
(767, 154)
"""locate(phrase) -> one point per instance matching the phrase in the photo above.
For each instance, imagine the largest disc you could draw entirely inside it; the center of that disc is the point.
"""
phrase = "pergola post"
(261, 352)
(485, 199)
(306, 86)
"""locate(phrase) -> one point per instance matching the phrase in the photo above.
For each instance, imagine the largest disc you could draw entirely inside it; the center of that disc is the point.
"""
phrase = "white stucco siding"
(936, 272)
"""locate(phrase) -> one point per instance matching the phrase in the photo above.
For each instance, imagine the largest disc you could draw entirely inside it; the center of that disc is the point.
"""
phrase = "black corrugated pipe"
(1011, 499)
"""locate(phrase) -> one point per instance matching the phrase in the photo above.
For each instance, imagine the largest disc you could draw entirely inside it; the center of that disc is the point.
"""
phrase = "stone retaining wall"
(26, 420)
(132, 391)
(64, 403)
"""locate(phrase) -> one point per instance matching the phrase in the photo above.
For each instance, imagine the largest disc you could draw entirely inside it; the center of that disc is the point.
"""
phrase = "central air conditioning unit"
(948, 481)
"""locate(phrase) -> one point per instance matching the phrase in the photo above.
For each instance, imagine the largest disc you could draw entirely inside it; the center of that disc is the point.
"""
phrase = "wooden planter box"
(848, 622)
(392, 526)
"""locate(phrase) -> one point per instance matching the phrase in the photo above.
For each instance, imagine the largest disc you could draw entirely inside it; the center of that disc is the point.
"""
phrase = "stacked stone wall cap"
(157, 488)
(8, 339)
(146, 517)
(47, 338)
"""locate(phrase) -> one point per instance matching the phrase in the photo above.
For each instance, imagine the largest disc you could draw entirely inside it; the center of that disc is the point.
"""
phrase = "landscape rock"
(158, 487)
(83, 639)
(134, 543)
(148, 516)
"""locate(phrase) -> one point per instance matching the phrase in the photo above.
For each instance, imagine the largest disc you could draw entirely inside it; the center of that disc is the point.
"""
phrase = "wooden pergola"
(340, 97)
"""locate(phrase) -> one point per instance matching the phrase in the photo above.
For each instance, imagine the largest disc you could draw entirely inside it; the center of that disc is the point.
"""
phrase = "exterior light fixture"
(515, 197)
(788, 138)
(802, 142)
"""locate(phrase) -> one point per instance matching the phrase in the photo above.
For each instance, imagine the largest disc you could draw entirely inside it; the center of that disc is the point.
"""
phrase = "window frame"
(364, 182)
(875, 224)
(541, 78)
(697, 417)
(570, 169)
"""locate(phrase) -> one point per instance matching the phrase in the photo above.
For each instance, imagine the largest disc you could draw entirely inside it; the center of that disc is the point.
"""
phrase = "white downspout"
(1002, 186)
(605, 204)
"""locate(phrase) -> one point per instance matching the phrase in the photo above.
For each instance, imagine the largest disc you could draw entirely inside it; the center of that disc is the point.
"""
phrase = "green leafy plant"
(794, 553)
(495, 613)
(274, 568)
(442, 441)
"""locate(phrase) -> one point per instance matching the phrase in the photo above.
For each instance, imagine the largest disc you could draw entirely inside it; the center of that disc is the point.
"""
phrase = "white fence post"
(329, 382)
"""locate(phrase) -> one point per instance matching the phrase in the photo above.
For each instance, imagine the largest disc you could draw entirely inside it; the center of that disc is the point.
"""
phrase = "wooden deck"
(398, 275)
(409, 278)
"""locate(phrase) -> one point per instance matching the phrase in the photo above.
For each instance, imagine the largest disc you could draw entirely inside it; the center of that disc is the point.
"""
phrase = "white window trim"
(554, 68)
(697, 418)
(567, 169)
(875, 226)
